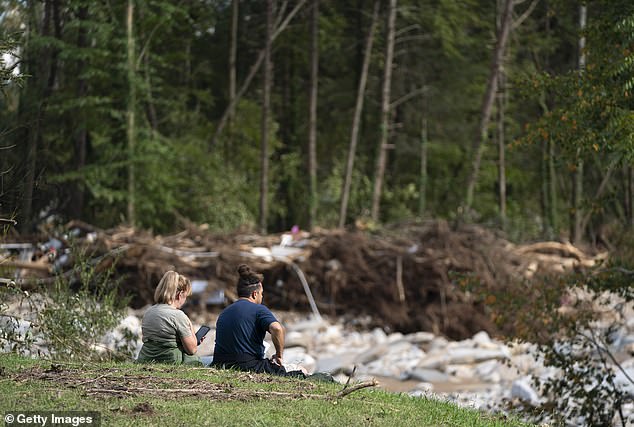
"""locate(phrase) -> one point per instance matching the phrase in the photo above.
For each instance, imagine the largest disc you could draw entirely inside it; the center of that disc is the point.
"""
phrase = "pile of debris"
(410, 279)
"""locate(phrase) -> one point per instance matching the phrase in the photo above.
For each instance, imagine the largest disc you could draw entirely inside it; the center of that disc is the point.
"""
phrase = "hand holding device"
(200, 334)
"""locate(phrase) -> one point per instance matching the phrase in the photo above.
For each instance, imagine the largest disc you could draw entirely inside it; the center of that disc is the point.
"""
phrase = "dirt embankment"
(407, 279)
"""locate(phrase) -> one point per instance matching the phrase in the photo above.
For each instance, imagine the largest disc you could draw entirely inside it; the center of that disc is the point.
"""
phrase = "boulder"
(429, 376)
(523, 390)
(420, 337)
(297, 339)
(342, 362)
(463, 355)
(436, 361)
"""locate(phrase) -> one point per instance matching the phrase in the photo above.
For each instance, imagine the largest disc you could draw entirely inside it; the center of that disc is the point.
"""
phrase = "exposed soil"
(121, 382)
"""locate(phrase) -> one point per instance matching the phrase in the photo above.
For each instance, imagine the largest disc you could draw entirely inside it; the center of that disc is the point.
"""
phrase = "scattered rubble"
(404, 279)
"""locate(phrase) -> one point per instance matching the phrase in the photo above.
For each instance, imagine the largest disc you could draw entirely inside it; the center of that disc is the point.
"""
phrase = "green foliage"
(72, 317)
(330, 194)
(8, 74)
(79, 310)
(593, 106)
(565, 318)
(73, 109)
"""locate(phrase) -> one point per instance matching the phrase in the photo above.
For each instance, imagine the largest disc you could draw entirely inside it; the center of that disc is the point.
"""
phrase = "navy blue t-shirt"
(241, 327)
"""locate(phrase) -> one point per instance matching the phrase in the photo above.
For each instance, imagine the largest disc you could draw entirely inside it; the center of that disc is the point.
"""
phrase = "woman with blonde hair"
(168, 334)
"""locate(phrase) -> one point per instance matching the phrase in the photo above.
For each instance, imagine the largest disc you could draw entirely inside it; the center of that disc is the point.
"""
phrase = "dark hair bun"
(244, 271)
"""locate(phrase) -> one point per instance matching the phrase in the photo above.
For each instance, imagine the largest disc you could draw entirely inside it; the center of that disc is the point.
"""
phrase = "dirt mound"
(407, 279)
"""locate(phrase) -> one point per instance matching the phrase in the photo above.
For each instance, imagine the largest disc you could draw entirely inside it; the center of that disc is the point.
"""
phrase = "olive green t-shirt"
(164, 323)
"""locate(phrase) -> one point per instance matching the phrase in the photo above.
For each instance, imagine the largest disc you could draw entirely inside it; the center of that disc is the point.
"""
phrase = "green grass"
(156, 395)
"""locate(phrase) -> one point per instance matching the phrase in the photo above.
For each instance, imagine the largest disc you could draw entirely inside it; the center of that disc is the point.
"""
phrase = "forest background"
(262, 114)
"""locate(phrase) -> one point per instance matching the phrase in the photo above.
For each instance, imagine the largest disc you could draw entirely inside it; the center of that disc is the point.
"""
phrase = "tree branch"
(407, 97)
(254, 68)
(602, 347)
(347, 391)
(525, 15)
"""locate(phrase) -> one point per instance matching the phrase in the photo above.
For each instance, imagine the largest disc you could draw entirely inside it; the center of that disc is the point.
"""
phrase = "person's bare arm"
(190, 343)
(277, 335)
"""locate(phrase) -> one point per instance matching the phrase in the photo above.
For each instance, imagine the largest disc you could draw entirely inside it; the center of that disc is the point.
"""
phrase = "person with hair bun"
(241, 328)
(168, 334)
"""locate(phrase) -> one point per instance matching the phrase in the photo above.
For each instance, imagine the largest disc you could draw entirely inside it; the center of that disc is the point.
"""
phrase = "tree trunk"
(422, 198)
(266, 101)
(233, 52)
(81, 135)
(254, 69)
(630, 196)
(131, 129)
(233, 49)
(543, 189)
(605, 180)
(385, 113)
(489, 97)
(312, 121)
(151, 108)
(553, 215)
(501, 110)
(45, 70)
(501, 149)
(576, 214)
(354, 136)
(552, 193)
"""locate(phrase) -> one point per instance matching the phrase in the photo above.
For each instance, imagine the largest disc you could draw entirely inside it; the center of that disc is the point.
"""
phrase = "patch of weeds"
(72, 316)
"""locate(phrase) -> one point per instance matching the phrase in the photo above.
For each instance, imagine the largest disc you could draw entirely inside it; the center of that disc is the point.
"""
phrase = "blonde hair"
(170, 285)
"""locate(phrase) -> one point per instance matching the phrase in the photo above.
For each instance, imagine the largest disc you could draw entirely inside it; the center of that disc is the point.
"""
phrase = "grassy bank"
(128, 394)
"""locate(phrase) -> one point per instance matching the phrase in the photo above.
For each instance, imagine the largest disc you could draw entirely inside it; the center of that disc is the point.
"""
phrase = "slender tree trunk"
(553, 199)
(29, 179)
(630, 196)
(552, 193)
(41, 89)
(501, 149)
(385, 113)
(354, 136)
(233, 52)
(501, 110)
(81, 135)
(543, 190)
(131, 127)
(266, 101)
(151, 108)
(312, 121)
(233, 49)
(489, 97)
(25, 202)
(576, 214)
(605, 180)
(422, 198)
(254, 69)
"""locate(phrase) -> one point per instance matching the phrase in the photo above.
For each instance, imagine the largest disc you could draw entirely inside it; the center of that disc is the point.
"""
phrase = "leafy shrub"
(566, 318)
(71, 317)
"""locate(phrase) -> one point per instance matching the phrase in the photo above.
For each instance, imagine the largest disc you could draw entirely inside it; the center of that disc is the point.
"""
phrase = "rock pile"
(478, 372)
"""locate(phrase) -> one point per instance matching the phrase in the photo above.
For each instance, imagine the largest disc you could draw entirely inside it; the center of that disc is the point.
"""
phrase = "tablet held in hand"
(202, 331)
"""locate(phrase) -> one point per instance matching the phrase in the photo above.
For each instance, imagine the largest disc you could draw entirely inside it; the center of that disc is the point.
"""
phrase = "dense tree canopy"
(123, 107)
